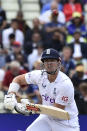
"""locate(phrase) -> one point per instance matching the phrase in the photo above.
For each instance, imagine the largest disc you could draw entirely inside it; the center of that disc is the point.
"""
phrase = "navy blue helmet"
(50, 54)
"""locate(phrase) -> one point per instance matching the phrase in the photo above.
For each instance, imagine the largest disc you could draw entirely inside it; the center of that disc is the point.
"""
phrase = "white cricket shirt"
(60, 91)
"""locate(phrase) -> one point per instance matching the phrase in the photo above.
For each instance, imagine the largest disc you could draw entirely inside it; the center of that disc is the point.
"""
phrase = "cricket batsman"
(56, 89)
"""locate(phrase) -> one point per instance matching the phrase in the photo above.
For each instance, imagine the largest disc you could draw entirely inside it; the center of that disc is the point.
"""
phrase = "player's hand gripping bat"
(31, 108)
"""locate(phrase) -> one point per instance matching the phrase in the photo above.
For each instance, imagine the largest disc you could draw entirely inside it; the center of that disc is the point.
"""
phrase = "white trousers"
(42, 123)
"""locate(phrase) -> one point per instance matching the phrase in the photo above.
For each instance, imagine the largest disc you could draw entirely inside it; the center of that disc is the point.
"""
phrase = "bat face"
(54, 112)
(48, 110)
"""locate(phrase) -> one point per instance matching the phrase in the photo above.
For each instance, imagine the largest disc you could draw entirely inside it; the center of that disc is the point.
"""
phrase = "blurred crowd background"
(27, 27)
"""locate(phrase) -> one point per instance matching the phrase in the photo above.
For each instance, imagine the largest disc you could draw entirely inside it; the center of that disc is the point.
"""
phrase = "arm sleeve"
(32, 77)
(66, 93)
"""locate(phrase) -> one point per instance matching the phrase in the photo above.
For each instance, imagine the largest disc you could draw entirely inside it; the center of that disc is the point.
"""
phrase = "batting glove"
(10, 101)
(25, 101)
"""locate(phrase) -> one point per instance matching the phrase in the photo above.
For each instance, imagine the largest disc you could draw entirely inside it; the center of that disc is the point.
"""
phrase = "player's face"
(51, 65)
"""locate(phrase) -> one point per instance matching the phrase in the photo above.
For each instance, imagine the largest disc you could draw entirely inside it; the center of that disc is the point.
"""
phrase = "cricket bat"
(43, 109)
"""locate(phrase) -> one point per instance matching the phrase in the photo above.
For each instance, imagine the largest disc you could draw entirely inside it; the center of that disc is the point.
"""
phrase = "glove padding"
(21, 107)
(10, 101)
(25, 101)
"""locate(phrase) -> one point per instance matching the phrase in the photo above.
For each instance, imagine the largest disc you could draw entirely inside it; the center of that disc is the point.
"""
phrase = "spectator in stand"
(35, 55)
(77, 33)
(47, 6)
(79, 76)
(16, 49)
(70, 7)
(81, 98)
(21, 22)
(77, 23)
(16, 54)
(22, 59)
(36, 25)
(53, 25)
(2, 12)
(11, 39)
(56, 42)
(83, 90)
(46, 16)
(3, 15)
(11, 73)
(79, 80)
(30, 45)
(2, 27)
(13, 29)
(37, 28)
(68, 65)
(79, 49)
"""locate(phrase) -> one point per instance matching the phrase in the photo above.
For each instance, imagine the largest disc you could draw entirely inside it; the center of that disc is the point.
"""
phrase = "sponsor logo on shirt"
(65, 98)
(47, 98)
